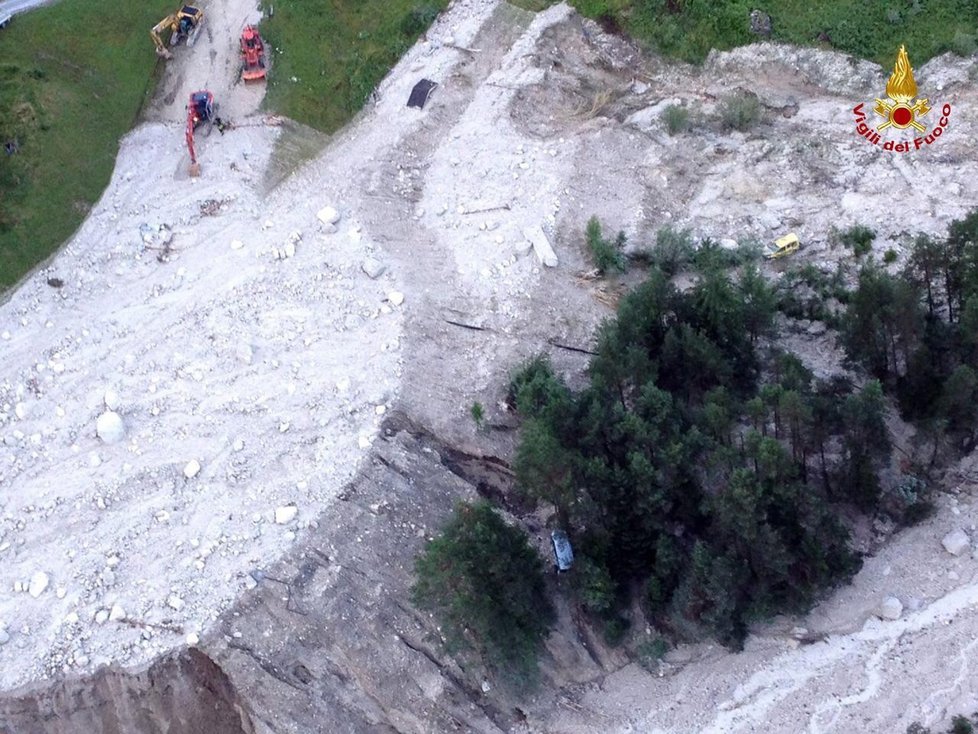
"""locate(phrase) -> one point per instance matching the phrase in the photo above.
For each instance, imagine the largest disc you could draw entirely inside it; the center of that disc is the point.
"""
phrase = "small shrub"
(909, 502)
(961, 725)
(673, 250)
(740, 111)
(417, 20)
(651, 652)
(595, 587)
(615, 630)
(607, 255)
(889, 256)
(478, 413)
(535, 389)
(676, 119)
(964, 44)
(917, 728)
(858, 238)
(710, 256)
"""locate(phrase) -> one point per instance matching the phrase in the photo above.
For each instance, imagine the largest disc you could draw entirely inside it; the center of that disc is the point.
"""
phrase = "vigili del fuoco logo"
(902, 111)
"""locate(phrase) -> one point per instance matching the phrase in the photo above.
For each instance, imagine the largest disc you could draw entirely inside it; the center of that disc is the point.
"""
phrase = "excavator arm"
(183, 24)
(169, 22)
(199, 109)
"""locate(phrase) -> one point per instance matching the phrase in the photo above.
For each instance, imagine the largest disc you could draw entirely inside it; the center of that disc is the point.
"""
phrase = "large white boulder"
(39, 582)
(110, 428)
(891, 608)
(286, 514)
(328, 215)
(956, 542)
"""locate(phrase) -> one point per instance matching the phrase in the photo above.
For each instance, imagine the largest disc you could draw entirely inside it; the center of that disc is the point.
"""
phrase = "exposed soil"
(298, 357)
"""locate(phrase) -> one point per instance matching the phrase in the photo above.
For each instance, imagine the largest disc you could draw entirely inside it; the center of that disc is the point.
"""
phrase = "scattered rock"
(541, 245)
(373, 268)
(4, 637)
(236, 244)
(891, 608)
(110, 428)
(956, 542)
(117, 613)
(286, 514)
(39, 582)
(395, 298)
(101, 616)
(328, 215)
(192, 469)
(174, 602)
(193, 638)
(111, 399)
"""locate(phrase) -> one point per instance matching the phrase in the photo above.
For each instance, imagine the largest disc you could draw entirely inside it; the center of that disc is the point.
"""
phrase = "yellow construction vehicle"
(184, 24)
(783, 246)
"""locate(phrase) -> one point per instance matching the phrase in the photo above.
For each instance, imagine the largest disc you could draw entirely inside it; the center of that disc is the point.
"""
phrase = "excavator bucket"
(194, 170)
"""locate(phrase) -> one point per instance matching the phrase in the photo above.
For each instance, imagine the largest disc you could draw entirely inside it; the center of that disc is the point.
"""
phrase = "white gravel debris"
(192, 469)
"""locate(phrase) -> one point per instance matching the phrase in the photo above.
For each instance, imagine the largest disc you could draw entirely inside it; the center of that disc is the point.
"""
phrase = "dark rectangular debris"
(420, 93)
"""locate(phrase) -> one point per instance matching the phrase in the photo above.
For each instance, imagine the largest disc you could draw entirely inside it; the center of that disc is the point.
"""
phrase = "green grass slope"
(871, 29)
(72, 79)
(337, 51)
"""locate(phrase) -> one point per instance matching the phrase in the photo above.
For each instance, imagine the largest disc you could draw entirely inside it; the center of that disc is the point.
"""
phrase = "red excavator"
(253, 55)
(199, 111)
